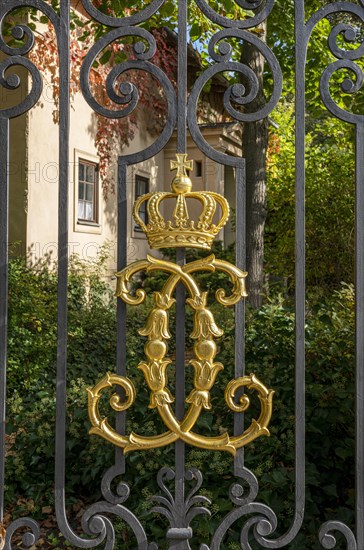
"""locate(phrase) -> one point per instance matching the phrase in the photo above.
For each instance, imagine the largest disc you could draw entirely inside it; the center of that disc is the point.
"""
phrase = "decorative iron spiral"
(135, 19)
(127, 94)
(345, 58)
(16, 59)
(263, 7)
(238, 94)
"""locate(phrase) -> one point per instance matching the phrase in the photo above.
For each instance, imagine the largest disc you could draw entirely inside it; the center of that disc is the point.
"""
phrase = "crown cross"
(181, 183)
(182, 165)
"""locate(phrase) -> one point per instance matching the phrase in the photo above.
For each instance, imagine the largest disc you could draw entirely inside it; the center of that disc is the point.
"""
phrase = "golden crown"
(182, 231)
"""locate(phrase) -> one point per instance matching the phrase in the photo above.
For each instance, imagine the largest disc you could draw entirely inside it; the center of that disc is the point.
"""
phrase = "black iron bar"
(121, 306)
(301, 41)
(182, 78)
(359, 315)
(240, 257)
(61, 385)
(4, 257)
(300, 290)
(180, 448)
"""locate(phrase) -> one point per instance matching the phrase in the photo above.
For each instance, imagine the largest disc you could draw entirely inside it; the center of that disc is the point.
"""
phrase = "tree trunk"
(255, 144)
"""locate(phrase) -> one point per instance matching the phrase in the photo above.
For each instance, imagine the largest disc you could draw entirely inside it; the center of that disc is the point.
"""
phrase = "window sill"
(88, 224)
(83, 226)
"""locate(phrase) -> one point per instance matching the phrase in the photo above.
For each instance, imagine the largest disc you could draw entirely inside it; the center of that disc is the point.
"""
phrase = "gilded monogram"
(205, 331)
(200, 234)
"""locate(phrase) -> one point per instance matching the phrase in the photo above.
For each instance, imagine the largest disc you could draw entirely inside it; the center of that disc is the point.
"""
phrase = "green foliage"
(270, 354)
(32, 324)
(330, 198)
(330, 426)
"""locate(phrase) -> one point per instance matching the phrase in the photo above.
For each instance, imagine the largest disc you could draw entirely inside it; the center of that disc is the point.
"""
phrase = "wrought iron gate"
(179, 508)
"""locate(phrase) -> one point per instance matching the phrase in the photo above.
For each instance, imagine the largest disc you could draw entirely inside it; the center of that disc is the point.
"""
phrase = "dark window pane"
(89, 192)
(198, 169)
(90, 173)
(81, 171)
(81, 190)
(141, 188)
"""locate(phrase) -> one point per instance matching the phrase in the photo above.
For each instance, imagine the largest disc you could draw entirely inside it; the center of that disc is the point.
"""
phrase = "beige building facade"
(34, 174)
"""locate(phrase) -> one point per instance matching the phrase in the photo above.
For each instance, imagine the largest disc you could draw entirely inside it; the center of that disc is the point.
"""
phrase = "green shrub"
(329, 201)
(92, 352)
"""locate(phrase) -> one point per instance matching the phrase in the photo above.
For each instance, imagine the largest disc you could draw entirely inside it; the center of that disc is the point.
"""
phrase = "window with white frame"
(87, 208)
(141, 188)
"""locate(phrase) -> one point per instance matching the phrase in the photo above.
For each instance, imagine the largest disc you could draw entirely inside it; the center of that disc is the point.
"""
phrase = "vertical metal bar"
(300, 262)
(359, 342)
(121, 306)
(180, 260)
(240, 257)
(180, 448)
(4, 238)
(61, 386)
(182, 77)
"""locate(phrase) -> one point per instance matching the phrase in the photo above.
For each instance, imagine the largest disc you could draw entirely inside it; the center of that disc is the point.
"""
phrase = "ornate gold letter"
(205, 330)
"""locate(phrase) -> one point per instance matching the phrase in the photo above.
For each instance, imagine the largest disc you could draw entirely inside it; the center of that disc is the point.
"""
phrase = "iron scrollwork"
(345, 60)
(237, 95)
(12, 81)
(167, 506)
(16, 57)
(262, 521)
(127, 95)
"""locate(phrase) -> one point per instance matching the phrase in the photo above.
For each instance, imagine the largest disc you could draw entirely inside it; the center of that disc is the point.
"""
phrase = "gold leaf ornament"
(155, 367)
